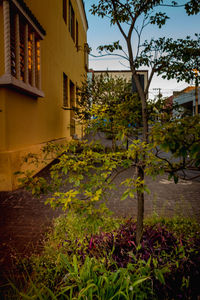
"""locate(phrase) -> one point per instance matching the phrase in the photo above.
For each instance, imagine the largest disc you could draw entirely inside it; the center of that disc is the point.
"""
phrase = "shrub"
(173, 258)
(77, 264)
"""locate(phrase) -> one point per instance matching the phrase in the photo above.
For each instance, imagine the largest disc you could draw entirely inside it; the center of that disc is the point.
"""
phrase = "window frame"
(72, 103)
(65, 92)
(77, 35)
(71, 21)
(65, 10)
(22, 16)
(86, 56)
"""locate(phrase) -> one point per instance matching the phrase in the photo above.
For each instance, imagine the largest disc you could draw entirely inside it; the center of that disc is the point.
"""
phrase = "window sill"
(66, 108)
(10, 81)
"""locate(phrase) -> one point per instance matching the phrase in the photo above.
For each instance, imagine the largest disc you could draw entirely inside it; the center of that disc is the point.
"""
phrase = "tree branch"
(109, 54)
(116, 19)
(149, 81)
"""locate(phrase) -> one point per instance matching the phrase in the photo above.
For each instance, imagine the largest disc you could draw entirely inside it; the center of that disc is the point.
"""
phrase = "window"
(65, 10)
(72, 95)
(65, 90)
(86, 52)
(141, 80)
(71, 21)
(72, 106)
(22, 37)
(77, 37)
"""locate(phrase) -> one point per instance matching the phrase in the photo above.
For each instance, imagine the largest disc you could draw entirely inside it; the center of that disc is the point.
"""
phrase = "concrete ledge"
(9, 81)
(13, 161)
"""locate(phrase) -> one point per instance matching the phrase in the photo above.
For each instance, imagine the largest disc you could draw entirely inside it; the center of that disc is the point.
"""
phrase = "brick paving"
(24, 219)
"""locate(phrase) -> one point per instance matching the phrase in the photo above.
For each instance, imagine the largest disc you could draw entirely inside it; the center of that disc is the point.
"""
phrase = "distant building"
(126, 74)
(186, 98)
(43, 59)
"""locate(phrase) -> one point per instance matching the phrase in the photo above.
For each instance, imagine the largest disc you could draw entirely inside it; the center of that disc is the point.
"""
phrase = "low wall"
(13, 161)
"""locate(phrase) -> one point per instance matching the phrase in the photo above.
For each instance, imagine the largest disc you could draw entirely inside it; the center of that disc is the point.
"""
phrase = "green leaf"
(125, 195)
(83, 291)
(75, 264)
(159, 276)
(139, 281)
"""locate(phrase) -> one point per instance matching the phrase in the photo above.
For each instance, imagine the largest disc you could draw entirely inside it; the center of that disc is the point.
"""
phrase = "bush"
(77, 264)
(174, 259)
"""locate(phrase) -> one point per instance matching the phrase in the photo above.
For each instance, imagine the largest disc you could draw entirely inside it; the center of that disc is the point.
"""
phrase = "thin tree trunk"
(144, 106)
(113, 143)
(141, 92)
(113, 138)
(140, 170)
(127, 144)
(140, 208)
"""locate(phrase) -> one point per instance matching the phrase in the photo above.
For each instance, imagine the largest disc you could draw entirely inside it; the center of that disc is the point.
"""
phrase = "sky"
(100, 32)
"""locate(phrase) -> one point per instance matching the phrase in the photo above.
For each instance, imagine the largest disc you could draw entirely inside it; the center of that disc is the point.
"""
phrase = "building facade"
(43, 60)
(187, 99)
(125, 74)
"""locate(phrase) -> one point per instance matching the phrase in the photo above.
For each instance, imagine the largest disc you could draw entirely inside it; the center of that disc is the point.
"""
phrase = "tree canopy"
(161, 56)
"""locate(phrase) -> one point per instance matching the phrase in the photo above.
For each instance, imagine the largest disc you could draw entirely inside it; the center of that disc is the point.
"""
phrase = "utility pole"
(159, 93)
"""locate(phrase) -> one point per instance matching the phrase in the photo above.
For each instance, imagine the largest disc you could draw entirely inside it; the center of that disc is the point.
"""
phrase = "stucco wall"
(2, 120)
(124, 74)
(27, 123)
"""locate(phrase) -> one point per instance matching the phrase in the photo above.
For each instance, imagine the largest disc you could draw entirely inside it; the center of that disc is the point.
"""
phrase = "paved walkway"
(25, 219)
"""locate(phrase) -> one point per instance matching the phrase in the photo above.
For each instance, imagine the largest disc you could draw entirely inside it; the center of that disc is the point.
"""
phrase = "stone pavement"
(24, 219)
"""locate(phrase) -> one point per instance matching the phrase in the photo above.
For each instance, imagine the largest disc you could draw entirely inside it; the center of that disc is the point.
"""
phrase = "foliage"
(181, 139)
(167, 256)
(89, 170)
(165, 57)
(108, 265)
(107, 104)
(171, 58)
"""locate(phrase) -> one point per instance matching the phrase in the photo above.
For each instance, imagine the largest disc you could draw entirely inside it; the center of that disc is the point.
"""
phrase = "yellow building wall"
(5, 172)
(28, 122)
(2, 120)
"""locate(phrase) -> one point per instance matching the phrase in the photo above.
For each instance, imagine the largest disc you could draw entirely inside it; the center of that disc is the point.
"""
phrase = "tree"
(125, 15)
(107, 104)
(78, 160)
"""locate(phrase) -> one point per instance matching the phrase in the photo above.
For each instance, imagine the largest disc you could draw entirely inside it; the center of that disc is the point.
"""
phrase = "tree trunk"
(113, 143)
(144, 106)
(140, 170)
(140, 208)
(141, 92)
